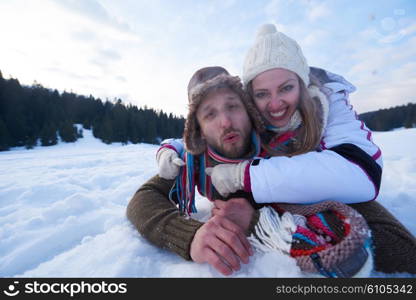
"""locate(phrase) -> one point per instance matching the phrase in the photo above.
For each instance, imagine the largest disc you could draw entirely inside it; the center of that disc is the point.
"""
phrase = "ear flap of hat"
(192, 137)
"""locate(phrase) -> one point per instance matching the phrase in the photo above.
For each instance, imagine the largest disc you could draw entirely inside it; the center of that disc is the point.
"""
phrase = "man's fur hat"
(202, 82)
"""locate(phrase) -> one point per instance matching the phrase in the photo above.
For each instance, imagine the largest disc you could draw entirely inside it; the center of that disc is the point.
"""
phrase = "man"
(218, 128)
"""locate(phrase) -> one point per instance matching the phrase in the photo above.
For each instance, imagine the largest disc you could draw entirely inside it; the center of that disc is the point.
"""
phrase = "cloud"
(291, 11)
(317, 11)
(83, 35)
(121, 78)
(145, 51)
(385, 76)
(93, 10)
(109, 54)
(71, 75)
(314, 38)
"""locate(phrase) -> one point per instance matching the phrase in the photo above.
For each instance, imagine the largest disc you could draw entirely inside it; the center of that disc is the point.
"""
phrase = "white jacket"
(325, 175)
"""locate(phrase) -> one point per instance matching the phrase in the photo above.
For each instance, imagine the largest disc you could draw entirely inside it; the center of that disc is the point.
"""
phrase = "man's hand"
(237, 210)
(222, 244)
(227, 178)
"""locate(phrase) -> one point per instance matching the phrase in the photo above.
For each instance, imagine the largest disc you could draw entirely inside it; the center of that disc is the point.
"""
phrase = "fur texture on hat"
(273, 49)
(202, 82)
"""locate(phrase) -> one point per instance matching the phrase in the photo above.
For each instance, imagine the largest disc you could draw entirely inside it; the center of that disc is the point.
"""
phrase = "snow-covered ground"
(62, 211)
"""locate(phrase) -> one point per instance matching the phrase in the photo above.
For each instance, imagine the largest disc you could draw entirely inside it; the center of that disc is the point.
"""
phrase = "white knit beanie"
(273, 49)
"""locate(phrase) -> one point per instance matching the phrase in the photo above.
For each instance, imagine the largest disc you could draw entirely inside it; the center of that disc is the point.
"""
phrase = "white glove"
(169, 163)
(227, 178)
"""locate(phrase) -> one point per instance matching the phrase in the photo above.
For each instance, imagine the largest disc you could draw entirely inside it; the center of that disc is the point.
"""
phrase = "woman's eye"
(260, 95)
(287, 88)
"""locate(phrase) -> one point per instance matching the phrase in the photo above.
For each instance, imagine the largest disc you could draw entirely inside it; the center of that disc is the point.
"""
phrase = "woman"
(320, 150)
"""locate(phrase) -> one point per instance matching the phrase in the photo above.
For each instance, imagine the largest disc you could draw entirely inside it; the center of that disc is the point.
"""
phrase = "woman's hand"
(169, 163)
(228, 178)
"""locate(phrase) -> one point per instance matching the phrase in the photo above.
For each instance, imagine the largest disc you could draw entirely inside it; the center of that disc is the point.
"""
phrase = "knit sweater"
(159, 220)
(394, 246)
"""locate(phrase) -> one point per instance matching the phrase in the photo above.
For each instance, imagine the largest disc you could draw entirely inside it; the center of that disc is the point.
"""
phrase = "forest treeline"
(31, 115)
(34, 114)
(391, 118)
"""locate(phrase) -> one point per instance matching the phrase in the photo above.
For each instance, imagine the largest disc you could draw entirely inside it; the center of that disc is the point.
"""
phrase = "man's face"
(224, 123)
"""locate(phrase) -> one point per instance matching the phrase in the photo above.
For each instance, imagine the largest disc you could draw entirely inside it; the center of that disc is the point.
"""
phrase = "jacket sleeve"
(174, 144)
(309, 178)
(159, 220)
(343, 125)
(348, 168)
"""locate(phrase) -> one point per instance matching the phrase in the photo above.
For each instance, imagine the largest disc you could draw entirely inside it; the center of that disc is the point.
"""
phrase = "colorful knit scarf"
(193, 173)
(278, 140)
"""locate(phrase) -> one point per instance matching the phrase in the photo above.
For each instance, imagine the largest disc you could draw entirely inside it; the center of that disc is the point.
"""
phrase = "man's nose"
(225, 120)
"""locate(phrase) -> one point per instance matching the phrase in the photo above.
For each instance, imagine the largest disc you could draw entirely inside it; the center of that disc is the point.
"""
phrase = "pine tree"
(106, 131)
(48, 135)
(31, 142)
(120, 123)
(80, 133)
(4, 136)
(68, 132)
(13, 115)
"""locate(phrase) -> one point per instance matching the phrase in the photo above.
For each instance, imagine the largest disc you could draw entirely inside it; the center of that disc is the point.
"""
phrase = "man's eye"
(209, 115)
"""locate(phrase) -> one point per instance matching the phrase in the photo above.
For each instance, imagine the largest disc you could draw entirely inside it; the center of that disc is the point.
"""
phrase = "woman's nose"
(275, 102)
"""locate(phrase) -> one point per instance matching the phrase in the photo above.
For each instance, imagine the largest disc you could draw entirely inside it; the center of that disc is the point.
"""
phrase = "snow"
(62, 211)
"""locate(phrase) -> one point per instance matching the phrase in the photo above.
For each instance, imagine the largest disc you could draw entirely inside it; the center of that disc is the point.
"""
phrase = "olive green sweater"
(159, 220)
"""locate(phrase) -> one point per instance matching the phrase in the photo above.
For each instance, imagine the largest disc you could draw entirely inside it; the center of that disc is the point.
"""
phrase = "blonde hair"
(309, 133)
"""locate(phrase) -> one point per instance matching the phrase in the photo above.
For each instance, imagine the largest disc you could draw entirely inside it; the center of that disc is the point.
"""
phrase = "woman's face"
(276, 93)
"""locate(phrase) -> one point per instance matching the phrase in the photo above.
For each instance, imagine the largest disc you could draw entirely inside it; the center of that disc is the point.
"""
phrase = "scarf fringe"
(273, 232)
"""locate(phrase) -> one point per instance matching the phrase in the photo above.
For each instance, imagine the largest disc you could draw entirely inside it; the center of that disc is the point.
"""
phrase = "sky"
(145, 51)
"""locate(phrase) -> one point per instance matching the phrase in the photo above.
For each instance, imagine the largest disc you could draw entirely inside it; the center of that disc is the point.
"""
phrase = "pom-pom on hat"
(273, 49)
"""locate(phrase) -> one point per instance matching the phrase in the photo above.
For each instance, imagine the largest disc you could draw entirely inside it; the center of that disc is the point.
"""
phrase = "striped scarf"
(193, 173)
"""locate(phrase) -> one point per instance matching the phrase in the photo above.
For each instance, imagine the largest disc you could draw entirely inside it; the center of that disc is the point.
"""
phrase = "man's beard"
(236, 153)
